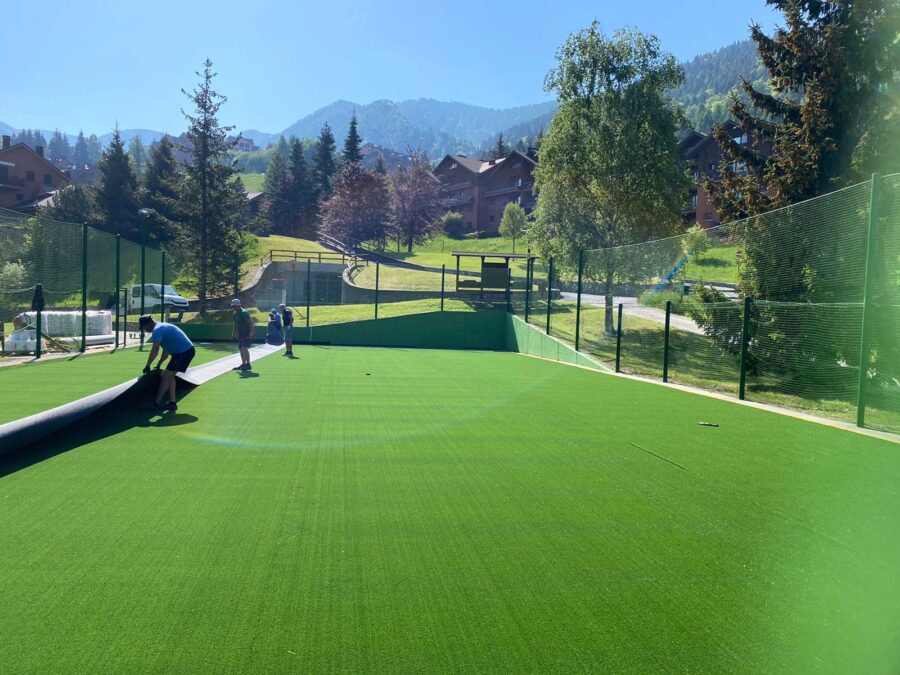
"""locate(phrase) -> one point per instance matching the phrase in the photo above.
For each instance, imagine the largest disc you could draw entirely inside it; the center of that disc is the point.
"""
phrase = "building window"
(491, 219)
(694, 201)
(453, 166)
(696, 173)
(48, 179)
(712, 167)
(739, 168)
(29, 176)
(741, 140)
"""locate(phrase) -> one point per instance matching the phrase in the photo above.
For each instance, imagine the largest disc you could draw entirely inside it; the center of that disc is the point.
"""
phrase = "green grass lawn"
(716, 264)
(372, 510)
(437, 251)
(30, 388)
(253, 182)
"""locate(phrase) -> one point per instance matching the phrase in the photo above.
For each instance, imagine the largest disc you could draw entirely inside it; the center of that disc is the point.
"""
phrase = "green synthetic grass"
(372, 510)
(30, 388)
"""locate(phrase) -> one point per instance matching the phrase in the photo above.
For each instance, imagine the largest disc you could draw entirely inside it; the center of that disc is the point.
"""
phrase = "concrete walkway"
(631, 308)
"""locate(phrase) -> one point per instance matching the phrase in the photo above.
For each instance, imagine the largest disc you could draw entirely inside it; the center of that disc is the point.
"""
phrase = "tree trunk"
(608, 310)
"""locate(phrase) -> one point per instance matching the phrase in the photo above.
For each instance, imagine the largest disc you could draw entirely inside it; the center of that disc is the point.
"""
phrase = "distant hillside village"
(478, 189)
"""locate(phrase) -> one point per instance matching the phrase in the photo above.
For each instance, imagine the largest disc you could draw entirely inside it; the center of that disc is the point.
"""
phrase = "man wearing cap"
(287, 320)
(242, 332)
(176, 346)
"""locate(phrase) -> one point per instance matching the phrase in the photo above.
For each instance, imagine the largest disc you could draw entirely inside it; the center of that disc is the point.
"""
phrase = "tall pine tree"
(278, 200)
(160, 191)
(324, 164)
(832, 117)
(209, 246)
(138, 154)
(352, 144)
(80, 152)
(115, 193)
(302, 192)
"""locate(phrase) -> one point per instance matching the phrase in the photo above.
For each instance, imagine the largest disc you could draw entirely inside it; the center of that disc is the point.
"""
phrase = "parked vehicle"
(154, 296)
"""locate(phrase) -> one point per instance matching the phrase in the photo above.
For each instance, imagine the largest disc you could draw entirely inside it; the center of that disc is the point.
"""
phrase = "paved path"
(631, 308)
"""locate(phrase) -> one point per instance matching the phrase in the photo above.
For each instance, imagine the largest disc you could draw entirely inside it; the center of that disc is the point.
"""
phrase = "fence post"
(529, 269)
(143, 282)
(38, 308)
(118, 273)
(745, 345)
(162, 290)
(457, 274)
(549, 289)
(84, 281)
(578, 302)
(377, 270)
(308, 288)
(443, 274)
(867, 301)
(666, 347)
(508, 289)
(619, 341)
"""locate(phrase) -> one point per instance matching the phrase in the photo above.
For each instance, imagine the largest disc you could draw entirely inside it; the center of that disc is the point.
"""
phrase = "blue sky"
(100, 63)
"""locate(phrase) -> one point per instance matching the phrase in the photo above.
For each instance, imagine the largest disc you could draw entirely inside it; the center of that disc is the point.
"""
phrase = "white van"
(170, 299)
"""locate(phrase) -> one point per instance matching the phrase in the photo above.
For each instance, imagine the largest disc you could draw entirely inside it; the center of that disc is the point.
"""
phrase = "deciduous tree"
(415, 202)
(609, 173)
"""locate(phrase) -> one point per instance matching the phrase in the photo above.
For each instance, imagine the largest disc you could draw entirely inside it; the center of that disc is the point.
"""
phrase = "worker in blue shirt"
(177, 347)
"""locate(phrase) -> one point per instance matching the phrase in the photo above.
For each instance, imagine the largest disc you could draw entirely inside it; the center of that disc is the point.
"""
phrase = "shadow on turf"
(131, 410)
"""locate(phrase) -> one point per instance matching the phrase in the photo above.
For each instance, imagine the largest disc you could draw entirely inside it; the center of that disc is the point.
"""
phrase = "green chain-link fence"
(85, 275)
(823, 282)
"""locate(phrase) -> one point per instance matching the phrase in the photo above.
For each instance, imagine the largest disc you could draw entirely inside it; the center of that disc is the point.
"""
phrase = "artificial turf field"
(434, 511)
(30, 388)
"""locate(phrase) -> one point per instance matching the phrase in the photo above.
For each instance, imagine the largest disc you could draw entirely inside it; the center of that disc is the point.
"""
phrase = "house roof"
(8, 151)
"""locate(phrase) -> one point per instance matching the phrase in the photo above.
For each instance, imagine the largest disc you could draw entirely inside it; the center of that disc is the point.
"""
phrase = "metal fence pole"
(443, 274)
(578, 302)
(867, 302)
(508, 289)
(84, 281)
(529, 270)
(666, 347)
(143, 282)
(118, 274)
(619, 341)
(308, 288)
(549, 289)
(39, 306)
(745, 345)
(162, 290)
(377, 270)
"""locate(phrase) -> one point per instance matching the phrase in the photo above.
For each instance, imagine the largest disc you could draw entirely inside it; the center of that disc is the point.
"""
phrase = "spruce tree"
(115, 193)
(302, 191)
(379, 165)
(59, 147)
(278, 199)
(80, 152)
(324, 164)
(210, 247)
(95, 149)
(138, 155)
(831, 118)
(160, 191)
(352, 144)
(500, 150)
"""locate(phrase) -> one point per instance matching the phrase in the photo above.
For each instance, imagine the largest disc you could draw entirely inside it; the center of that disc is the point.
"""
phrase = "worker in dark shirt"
(287, 320)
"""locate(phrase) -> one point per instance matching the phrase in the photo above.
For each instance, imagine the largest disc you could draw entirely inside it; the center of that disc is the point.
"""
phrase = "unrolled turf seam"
(21, 432)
